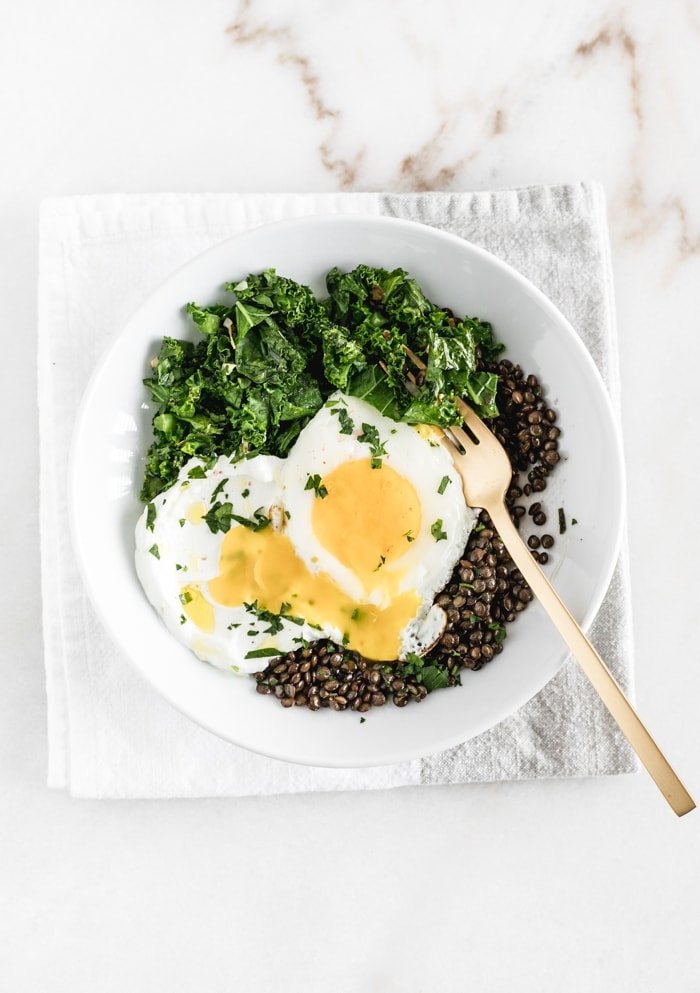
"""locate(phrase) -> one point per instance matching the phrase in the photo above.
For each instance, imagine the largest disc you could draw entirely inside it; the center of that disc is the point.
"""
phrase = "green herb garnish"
(274, 620)
(314, 483)
(499, 632)
(150, 516)
(221, 515)
(444, 482)
(263, 653)
(197, 472)
(155, 552)
(218, 488)
(431, 674)
(382, 560)
(434, 678)
(347, 425)
(436, 530)
(562, 521)
(370, 436)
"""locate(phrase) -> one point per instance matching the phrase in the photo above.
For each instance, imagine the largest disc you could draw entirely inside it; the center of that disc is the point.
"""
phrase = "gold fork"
(486, 476)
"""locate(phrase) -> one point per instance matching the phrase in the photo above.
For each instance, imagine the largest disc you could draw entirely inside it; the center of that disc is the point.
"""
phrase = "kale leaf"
(269, 356)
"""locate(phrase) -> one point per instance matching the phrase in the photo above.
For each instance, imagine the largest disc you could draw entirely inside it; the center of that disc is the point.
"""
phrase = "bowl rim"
(440, 742)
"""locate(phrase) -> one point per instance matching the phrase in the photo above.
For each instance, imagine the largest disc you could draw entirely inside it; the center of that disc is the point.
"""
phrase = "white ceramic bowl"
(113, 432)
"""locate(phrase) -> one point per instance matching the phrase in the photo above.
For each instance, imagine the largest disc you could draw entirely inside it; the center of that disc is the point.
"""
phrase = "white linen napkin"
(110, 735)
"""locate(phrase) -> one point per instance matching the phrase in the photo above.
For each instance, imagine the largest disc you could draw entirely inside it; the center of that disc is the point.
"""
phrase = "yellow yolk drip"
(195, 512)
(429, 432)
(197, 607)
(364, 519)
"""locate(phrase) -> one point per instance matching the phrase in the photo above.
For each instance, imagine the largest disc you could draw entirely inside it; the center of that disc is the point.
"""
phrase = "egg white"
(194, 548)
(274, 486)
(427, 564)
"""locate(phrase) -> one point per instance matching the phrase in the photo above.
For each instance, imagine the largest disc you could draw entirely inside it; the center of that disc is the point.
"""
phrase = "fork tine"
(461, 436)
(473, 421)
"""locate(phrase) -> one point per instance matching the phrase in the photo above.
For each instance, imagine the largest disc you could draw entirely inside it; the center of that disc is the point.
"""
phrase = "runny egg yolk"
(365, 521)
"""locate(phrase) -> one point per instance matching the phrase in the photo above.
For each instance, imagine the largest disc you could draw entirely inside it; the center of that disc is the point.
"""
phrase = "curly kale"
(269, 358)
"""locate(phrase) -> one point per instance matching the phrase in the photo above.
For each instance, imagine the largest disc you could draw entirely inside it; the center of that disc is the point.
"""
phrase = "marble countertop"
(545, 886)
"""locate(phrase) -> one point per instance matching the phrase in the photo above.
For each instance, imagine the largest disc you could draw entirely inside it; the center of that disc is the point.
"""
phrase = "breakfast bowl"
(113, 433)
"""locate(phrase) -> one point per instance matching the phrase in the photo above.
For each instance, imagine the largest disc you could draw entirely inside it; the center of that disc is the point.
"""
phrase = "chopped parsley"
(258, 522)
(370, 436)
(155, 552)
(284, 611)
(180, 568)
(219, 487)
(347, 425)
(150, 516)
(232, 625)
(221, 514)
(431, 675)
(434, 678)
(409, 536)
(562, 521)
(263, 653)
(185, 598)
(274, 620)
(437, 531)
(314, 483)
(245, 492)
(382, 560)
(444, 483)
(197, 472)
(219, 517)
(356, 614)
(182, 618)
(181, 522)
(499, 632)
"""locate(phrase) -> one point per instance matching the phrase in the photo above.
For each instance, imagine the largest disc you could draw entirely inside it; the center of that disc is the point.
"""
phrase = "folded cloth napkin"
(109, 734)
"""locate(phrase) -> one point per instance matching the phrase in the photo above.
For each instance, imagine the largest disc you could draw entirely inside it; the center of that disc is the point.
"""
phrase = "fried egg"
(349, 538)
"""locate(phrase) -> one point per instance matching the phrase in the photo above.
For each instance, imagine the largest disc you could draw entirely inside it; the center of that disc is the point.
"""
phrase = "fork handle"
(595, 669)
